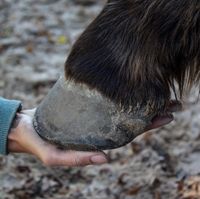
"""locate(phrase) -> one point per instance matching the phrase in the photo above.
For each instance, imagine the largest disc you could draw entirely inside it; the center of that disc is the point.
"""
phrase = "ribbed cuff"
(8, 109)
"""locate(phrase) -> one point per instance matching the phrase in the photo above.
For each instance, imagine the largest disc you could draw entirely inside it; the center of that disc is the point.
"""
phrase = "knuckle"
(76, 161)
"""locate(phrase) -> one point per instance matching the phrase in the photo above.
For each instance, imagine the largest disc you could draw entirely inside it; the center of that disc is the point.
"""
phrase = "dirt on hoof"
(35, 37)
(75, 117)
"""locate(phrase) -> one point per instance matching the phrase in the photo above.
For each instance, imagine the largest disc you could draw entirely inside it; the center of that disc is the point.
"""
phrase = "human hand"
(23, 139)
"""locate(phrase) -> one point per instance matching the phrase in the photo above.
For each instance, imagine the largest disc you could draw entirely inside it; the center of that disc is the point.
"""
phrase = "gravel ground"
(35, 38)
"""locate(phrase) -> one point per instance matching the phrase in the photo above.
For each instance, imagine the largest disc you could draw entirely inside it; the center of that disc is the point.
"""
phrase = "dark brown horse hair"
(135, 51)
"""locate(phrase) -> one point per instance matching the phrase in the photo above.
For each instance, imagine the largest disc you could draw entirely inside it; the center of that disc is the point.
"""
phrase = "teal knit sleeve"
(8, 109)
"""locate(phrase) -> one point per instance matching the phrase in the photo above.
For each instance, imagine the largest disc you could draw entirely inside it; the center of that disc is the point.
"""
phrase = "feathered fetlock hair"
(135, 51)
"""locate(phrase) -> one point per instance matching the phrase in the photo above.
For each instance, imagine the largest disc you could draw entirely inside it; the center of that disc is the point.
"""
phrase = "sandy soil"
(35, 38)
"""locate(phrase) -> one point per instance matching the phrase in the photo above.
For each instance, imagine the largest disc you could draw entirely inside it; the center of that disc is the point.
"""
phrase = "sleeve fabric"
(8, 109)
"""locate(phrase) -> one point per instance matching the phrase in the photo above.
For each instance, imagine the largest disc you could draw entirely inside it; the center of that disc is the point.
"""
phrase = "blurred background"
(35, 39)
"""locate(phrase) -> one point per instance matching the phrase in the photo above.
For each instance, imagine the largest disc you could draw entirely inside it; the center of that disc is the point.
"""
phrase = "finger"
(160, 121)
(175, 106)
(75, 158)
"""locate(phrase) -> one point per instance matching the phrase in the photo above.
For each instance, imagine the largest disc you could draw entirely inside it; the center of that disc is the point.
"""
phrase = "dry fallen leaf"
(62, 40)
(133, 190)
(191, 188)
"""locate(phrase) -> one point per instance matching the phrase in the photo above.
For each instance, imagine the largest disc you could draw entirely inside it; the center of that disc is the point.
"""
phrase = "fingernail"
(98, 159)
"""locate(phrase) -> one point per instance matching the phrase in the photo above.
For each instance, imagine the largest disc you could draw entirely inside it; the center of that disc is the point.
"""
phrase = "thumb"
(73, 158)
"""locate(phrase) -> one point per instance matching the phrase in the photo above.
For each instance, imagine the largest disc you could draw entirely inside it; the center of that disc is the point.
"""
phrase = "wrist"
(14, 135)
